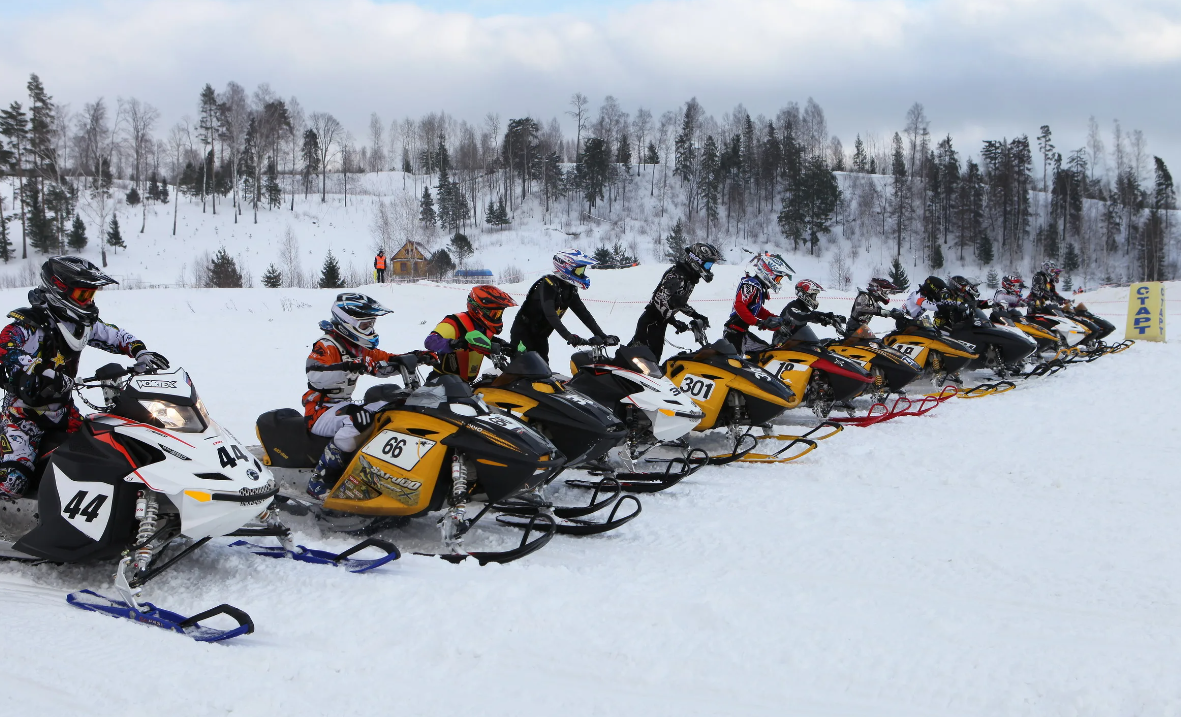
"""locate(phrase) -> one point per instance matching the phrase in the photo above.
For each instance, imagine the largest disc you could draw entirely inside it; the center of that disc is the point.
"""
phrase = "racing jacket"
(916, 304)
(748, 305)
(796, 315)
(332, 368)
(673, 292)
(547, 300)
(865, 307)
(463, 362)
(1043, 292)
(33, 343)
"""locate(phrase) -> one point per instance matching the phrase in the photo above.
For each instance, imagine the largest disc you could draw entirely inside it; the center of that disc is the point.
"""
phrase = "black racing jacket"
(547, 300)
(672, 293)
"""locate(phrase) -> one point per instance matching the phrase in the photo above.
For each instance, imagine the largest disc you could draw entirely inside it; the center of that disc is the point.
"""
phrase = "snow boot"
(327, 471)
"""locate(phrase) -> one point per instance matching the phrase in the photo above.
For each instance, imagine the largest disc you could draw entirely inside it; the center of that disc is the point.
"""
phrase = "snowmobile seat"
(386, 393)
(286, 441)
(582, 358)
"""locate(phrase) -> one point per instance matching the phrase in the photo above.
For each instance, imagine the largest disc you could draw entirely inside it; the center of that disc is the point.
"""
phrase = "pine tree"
(153, 188)
(993, 281)
(274, 192)
(898, 275)
(623, 154)
(937, 257)
(984, 249)
(273, 278)
(223, 272)
(330, 277)
(461, 248)
(5, 240)
(496, 214)
(651, 156)
(114, 236)
(426, 211)
(860, 159)
(1067, 283)
(76, 239)
(674, 243)
(619, 256)
(1070, 261)
(710, 181)
(133, 197)
(163, 193)
(603, 258)
(440, 264)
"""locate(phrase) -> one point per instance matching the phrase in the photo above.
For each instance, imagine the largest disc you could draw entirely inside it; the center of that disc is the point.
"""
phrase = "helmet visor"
(494, 314)
(365, 325)
(82, 296)
(707, 265)
(579, 270)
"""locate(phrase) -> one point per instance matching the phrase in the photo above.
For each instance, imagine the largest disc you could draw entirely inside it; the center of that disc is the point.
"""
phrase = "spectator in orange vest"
(379, 265)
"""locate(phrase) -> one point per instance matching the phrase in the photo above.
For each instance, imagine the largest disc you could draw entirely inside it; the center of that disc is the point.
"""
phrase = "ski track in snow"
(1010, 555)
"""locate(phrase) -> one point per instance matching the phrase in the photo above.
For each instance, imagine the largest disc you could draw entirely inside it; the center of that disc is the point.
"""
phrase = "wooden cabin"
(408, 262)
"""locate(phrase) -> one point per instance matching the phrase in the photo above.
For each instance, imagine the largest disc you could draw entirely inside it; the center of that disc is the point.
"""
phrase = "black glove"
(611, 340)
(897, 314)
(39, 389)
(361, 417)
(771, 323)
(576, 340)
(385, 369)
(680, 326)
(702, 320)
(459, 344)
(149, 361)
(836, 321)
(596, 341)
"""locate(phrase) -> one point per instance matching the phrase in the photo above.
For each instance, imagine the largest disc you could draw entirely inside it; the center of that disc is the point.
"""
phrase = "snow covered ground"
(1011, 555)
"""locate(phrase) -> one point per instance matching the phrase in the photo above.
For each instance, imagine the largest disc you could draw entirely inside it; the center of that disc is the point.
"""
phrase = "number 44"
(74, 508)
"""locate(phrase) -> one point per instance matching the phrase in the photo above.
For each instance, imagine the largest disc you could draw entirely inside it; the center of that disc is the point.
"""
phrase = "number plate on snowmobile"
(910, 350)
(697, 387)
(404, 451)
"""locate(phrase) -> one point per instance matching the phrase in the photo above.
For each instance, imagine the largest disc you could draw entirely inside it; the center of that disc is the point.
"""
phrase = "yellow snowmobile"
(940, 357)
(430, 448)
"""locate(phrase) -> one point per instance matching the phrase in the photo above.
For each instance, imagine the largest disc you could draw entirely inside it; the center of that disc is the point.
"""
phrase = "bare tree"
(98, 139)
(641, 126)
(815, 129)
(296, 128)
(917, 126)
(328, 131)
(141, 119)
(234, 113)
(376, 143)
(180, 138)
(580, 112)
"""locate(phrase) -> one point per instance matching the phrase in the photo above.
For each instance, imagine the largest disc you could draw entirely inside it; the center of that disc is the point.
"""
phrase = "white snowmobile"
(148, 471)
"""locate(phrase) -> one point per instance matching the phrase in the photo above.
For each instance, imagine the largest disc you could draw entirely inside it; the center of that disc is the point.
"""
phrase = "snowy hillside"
(1010, 555)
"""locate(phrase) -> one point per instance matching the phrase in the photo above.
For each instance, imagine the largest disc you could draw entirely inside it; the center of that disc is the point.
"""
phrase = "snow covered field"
(1012, 555)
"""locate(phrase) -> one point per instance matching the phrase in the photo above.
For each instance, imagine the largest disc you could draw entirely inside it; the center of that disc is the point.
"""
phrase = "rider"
(871, 301)
(347, 348)
(1043, 292)
(801, 311)
(672, 296)
(484, 315)
(769, 271)
(39, 354)
(964, 295)
(547, 301)
(930, 294)
(1007, 300)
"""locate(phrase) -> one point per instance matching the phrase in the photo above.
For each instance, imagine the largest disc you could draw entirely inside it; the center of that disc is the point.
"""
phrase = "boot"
(12, 483)
(327, 471)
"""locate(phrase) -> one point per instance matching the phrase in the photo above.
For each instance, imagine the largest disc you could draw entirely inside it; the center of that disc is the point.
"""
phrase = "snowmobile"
(1001, 349)
(941, 357)
(653, 410)
(818, 377)
(148, 472)
(430, 448)
(1070, 333)
(892, 370)
(735, 394)
(582, 429)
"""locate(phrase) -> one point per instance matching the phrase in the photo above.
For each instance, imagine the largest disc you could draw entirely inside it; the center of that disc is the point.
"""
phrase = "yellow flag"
(1146, 312)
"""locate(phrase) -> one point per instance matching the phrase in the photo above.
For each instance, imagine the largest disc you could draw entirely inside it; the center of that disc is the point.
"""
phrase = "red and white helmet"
(807, 291)
(1012, 283)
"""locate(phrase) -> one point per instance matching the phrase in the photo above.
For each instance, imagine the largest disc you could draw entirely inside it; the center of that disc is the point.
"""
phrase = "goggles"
(707, 265)
(365, 325)
(494, 314)
(82, 296)
(579, 270)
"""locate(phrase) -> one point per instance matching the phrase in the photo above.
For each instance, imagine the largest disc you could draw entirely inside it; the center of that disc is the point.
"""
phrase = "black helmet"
(965, 288)
(933, 288)
(702, 257)
(67, 289)
(880, 289)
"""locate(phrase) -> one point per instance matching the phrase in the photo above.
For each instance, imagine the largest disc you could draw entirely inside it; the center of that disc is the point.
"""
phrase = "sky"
(981, 68)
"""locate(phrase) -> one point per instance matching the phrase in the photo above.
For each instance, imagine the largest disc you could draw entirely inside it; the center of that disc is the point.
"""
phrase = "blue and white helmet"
(353, 318)
(570, 266)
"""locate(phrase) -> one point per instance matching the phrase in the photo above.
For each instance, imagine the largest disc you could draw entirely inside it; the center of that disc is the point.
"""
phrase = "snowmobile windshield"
(646, 367)
(637, 358)
(183, 419)
(860, 334)
(529, 365)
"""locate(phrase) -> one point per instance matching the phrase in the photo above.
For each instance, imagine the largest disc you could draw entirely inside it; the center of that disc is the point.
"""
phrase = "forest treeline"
(1104, 210)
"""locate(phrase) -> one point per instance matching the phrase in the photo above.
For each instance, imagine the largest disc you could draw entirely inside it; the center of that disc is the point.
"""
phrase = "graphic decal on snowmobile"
(404, 490)
(88, 505)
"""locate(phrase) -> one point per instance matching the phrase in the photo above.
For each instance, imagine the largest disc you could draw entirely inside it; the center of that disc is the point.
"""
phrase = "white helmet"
(771, 269)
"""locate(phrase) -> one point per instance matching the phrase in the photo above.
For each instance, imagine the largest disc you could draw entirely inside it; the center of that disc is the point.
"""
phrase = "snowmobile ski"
(324, 557)
(987, 389)
(547, 530)
(149, 614)
(653, 482)
(521, 518)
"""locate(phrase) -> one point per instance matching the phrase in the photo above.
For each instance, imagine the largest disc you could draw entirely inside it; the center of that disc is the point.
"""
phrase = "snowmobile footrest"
(543, 524)
(171, 621)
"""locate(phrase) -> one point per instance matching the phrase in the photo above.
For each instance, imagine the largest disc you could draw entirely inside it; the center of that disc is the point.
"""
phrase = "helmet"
(1012, 283)
(879, 290)
(570, 266)
(702, 257)
(353, 316)
(770, 269)
(965, 288)
(67, 288)
(807, 290)
(933, 288)
(486, 304)
(1050, 267)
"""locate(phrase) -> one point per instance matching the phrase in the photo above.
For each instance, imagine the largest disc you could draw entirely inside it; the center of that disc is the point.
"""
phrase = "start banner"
(1146, 312)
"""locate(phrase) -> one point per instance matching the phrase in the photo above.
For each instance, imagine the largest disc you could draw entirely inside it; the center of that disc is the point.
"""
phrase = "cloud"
(1008, 65)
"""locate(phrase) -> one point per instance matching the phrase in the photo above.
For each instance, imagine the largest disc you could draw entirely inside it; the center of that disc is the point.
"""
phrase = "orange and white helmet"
(486, 304)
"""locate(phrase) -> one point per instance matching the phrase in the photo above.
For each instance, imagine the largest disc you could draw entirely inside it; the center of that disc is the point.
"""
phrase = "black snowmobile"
(1001, 349)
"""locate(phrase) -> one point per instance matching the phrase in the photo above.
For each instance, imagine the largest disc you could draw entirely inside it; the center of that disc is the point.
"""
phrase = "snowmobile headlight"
(646, 367)
(184, 419)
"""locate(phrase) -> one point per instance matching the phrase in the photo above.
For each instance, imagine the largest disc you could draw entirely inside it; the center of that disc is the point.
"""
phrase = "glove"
(771, 323)
(836, 321)
(361, 417)
(611, 340)
(459, 344)
(576, 340)
(384, 369)
(149, 361)
(702, 320)
(680, 326)
(39, 389)
(596, 341)
(897, 314)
